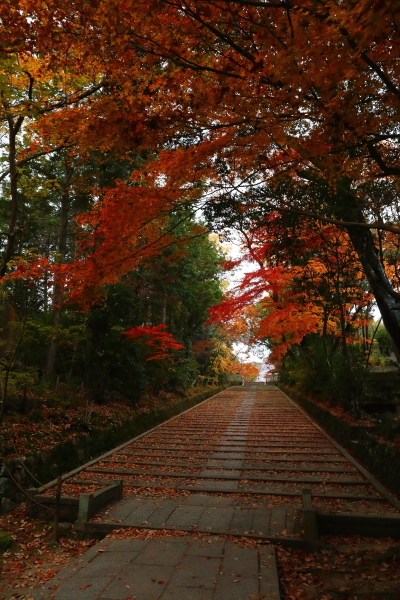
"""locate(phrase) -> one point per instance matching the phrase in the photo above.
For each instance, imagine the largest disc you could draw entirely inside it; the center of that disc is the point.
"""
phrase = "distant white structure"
(266, 375)
(262, 374)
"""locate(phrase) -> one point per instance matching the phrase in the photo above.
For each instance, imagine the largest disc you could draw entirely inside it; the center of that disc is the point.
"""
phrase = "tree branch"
(32, 157)
(380, 162)
(340, 223)
(81, 96)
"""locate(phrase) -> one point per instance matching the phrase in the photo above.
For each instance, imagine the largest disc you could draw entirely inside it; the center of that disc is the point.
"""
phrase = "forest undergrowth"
(50, 423)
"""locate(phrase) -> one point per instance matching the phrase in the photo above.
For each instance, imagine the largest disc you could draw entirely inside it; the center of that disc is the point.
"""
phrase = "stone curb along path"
(244, 464)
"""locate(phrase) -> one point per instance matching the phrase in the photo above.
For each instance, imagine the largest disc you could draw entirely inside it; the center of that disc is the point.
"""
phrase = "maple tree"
(247, 370)
(160, 341)
(307, 281)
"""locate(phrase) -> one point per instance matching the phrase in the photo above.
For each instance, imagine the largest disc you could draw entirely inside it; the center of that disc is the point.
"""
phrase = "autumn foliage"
(251, 110)
(310, 283)
(160, 341)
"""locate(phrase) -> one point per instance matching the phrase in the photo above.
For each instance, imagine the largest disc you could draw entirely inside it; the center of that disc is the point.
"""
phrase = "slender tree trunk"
(324, 337)
(9, 365)
(12, 161)
(343, 327)
(45, 293)
(57, 292)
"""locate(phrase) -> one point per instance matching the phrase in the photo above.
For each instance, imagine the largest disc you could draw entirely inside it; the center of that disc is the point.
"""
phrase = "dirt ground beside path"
(33, 557)
(350, 568)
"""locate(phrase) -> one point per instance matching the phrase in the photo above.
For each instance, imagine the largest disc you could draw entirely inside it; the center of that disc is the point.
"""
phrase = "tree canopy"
(254, 111)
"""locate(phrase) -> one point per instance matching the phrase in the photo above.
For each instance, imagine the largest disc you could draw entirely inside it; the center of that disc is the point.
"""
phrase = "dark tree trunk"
(387, 299)
(14, 128)
(57, 292)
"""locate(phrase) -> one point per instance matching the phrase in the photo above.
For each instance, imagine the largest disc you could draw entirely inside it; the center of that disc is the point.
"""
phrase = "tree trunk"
(57, 292)
(12, 161)
(164, 311)
(387, 299)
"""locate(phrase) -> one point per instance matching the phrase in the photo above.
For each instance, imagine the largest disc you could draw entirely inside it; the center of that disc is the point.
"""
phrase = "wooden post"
(120, 489)
(309, 519)
(57, 509)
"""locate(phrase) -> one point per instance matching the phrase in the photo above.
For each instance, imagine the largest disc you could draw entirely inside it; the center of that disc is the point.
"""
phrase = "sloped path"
(248, 453)
(235, 465)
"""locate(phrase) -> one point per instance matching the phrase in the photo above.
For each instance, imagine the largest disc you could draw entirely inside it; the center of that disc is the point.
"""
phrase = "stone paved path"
(172, 568)
(234, 465)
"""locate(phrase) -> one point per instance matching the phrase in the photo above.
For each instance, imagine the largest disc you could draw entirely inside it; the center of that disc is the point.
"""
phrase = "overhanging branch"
(345, 224)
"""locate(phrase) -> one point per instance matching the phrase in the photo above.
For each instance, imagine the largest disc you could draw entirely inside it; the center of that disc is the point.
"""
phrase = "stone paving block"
(78, 564)
(243, 519)
(141, 510)
(162, 512)
(228, 486)
(121, 511)
(74, 568)
(206, 547)
(160, 552)
(251, 466)
(93, 552)
(257, 488)
(261, 521)
(146, 582)
(228, 455)
(219, 473)
(106, 564)
(177, 539)
(216, 518)
(110, 544)
(200, 572)
(187, 593)
(278, 521)
(204, 500)
(239, 561)
(185, 516)
(84, 589)
(291, 522)
(232, 446)
(269, 591)
(224, 464)
(268, 580)
(235, 588)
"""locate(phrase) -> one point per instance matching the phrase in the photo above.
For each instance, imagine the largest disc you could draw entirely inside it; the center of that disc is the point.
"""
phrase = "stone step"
(235, 476)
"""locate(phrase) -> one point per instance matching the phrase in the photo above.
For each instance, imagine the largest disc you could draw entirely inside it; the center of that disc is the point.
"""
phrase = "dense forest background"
(55, 353)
